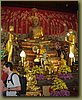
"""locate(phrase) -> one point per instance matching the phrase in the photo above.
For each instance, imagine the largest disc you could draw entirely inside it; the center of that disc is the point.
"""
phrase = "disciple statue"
(63, 61)
(64, 69)
(71, 40)
(9, 45)
(36, 30)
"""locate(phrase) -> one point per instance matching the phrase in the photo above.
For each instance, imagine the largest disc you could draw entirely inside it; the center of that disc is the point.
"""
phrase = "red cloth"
(4, 76)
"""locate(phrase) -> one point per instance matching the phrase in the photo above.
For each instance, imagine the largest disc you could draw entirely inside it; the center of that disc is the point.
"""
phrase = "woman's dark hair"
(9, 64)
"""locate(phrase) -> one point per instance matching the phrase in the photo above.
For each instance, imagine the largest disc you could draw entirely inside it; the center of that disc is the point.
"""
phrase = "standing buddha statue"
(71, 40)
(9, 45)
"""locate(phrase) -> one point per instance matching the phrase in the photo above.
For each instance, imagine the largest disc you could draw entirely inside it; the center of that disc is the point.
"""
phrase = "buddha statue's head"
(35, 21)
(62, 55)
(11, 28)
(34, 18)
(70, 31)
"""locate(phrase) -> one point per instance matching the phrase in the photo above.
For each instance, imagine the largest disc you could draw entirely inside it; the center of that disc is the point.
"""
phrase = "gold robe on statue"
(37, 32)
(9, 46)
(71, 39)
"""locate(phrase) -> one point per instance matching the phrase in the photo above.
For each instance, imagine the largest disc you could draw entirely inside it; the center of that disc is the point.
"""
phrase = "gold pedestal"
(36, 93)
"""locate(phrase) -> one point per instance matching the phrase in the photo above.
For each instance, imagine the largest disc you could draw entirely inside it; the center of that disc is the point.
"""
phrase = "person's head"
(7, 66)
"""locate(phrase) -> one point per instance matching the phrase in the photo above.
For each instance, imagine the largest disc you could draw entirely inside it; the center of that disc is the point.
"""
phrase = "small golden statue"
(42, 49)
(64, 68)
(63, 61)
(9, 45)
(43, 54)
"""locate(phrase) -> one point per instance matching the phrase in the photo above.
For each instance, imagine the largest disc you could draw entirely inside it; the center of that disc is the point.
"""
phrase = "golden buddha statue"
(43, 54)
(63, 61)
(9, 45)
(36, 30)
(64, 68)
(42, 49)
(71, 39)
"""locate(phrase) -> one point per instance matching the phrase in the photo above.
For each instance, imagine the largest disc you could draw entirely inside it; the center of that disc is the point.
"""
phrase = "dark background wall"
(68, 6)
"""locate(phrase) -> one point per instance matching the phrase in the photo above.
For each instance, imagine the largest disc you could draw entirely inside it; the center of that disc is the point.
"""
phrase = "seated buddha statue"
(36, 31)
(64, 68)
(63, 61)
